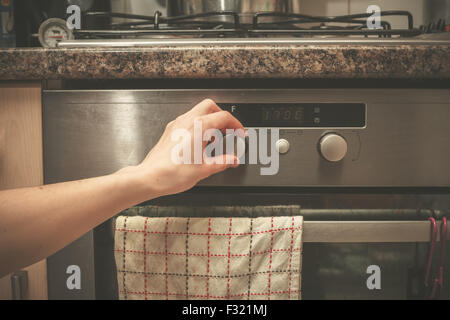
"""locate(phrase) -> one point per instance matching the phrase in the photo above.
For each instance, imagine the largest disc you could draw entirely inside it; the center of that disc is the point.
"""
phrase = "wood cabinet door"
(21, 163)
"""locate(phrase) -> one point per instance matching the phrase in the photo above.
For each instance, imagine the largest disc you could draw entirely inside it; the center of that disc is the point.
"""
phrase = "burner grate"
(227, 23)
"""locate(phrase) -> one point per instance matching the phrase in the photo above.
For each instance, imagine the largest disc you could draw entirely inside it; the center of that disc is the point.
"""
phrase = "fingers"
(220, 163)
(220, 120)
(213, 117)
(207, 106)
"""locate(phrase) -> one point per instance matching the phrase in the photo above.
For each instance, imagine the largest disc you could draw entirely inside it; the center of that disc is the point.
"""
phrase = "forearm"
(36, 222)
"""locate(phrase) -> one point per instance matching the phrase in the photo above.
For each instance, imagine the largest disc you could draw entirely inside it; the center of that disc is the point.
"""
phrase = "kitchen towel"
(208, 258)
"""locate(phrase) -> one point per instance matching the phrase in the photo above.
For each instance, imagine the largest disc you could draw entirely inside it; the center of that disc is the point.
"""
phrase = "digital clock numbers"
(299, 115)
(292, 114)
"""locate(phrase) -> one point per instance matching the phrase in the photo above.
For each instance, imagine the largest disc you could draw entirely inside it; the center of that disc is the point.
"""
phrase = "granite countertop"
(306, 61)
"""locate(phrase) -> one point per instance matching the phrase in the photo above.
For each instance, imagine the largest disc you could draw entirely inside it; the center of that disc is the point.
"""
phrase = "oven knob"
(332, 147)
(239, 145)
(282, 146)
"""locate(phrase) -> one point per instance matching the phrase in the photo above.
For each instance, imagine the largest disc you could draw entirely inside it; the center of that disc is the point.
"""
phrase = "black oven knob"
(333, 147)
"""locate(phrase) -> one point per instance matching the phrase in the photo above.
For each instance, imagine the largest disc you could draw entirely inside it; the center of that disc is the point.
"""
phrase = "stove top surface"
(262, 28)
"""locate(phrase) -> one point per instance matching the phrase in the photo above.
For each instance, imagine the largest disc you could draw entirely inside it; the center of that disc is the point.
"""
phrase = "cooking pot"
(245, 8)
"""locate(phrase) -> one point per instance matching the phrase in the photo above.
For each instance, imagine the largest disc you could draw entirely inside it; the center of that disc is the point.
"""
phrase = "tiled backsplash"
(340, 7)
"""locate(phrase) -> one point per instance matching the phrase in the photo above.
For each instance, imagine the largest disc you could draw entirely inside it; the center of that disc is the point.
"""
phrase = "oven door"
(397, 158)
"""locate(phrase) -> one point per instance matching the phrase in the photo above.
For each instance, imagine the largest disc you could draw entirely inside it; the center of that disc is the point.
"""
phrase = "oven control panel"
(301, 137)
(331, 146)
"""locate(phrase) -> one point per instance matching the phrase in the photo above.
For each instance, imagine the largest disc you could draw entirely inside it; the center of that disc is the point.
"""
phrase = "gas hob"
(270, 28)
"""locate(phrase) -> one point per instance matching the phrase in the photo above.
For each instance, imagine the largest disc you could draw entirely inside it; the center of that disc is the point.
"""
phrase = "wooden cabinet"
(21, 160)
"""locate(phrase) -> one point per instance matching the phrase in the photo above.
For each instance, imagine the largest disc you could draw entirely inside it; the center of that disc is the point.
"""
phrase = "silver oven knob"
(282, 146)
(239, 144)
(332, 147)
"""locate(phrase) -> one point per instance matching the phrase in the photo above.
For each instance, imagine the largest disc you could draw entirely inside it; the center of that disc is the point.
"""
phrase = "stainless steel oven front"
(333, 141)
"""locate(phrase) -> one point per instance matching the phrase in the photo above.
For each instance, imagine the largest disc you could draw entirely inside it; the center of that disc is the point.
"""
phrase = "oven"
(368, 168)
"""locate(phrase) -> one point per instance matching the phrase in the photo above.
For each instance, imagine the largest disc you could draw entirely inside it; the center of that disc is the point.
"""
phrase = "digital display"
(299, 115)
(287, 114)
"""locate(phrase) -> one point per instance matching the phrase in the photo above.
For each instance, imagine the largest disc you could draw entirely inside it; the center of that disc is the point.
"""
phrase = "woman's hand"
(159, 170)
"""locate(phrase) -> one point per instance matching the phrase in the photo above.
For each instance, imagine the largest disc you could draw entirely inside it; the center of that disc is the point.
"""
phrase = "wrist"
(141, 184)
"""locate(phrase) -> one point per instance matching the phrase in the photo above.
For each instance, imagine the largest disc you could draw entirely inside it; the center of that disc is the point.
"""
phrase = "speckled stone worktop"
(307, 61)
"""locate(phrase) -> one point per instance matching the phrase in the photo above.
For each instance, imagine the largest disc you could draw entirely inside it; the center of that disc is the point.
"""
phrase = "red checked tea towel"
(209, 258)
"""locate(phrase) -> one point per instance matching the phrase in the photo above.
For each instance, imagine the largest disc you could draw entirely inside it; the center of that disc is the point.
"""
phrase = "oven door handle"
(367, 231)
